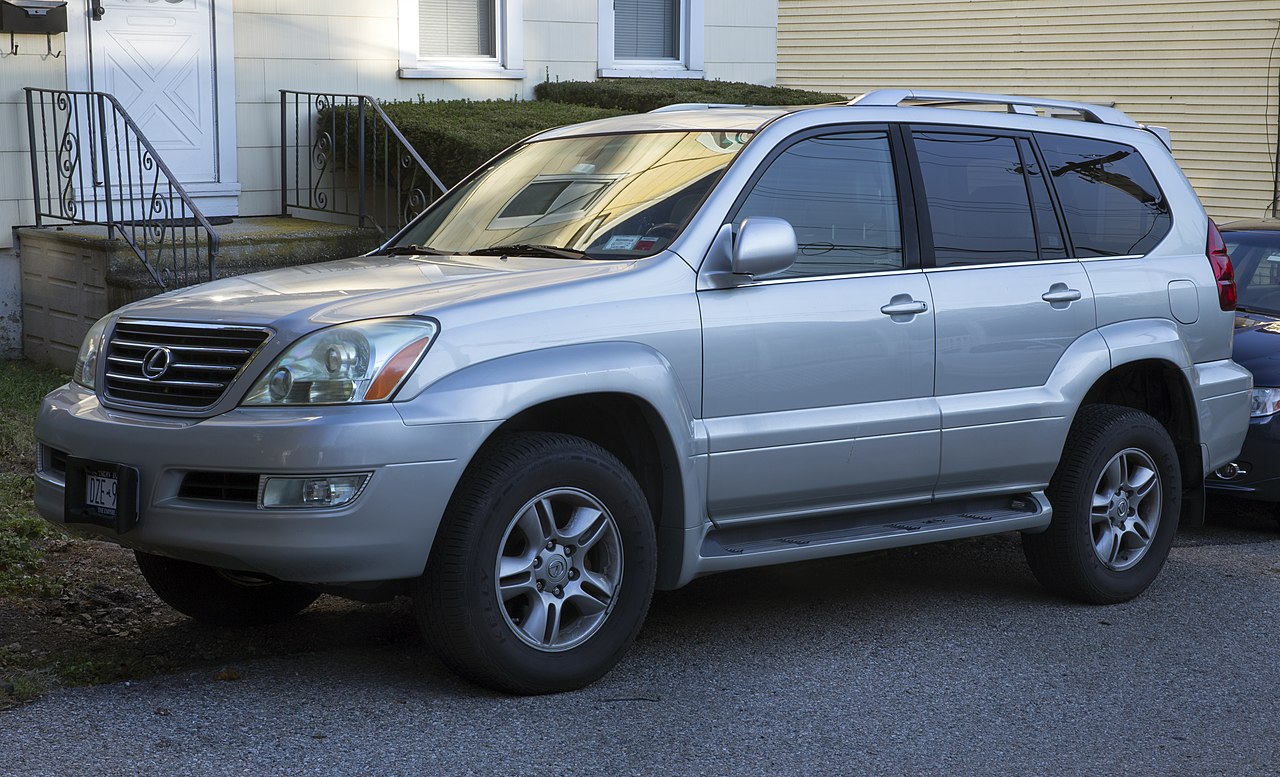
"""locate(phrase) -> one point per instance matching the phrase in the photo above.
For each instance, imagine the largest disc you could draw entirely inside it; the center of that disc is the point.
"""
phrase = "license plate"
(100, 491)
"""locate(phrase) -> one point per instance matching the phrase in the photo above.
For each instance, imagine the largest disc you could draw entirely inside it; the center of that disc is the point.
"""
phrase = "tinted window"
(1109, 196)
(977, 198)
(1052, 246)
(838, 192)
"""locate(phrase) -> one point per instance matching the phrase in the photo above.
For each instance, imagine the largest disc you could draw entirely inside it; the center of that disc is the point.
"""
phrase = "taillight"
(1223, 272)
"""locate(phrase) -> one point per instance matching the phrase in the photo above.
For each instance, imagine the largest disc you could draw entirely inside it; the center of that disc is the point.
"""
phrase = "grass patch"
(22, 385)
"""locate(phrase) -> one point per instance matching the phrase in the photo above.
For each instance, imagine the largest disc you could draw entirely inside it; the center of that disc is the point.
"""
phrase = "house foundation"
(73, 275)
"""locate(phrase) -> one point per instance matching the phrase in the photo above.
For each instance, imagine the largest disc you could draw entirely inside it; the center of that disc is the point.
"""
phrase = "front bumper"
(1260, 460)
(385, 534)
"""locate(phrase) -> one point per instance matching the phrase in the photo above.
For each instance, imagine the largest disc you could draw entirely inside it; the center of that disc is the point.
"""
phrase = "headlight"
(361, 362)
(86, 371)
(1264, 401)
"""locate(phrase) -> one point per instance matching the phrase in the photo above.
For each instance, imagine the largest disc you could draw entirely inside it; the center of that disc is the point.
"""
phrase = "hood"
(364, 287)
(1257, 346)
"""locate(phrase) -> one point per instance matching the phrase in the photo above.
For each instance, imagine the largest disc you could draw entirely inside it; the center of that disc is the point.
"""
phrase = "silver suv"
(628, 353)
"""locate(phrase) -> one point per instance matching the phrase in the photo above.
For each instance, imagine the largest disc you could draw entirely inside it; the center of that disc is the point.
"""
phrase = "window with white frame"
(461, 39)
(655, 38)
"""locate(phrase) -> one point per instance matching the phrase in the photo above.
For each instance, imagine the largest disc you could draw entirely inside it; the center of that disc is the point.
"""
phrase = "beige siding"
(1203, 69)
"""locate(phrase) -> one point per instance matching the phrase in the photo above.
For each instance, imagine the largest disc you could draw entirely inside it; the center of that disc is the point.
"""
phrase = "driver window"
(838, 192)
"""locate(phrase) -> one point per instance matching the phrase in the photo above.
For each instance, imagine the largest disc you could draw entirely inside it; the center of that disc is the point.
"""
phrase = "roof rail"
(698, 107)
(1022, 105)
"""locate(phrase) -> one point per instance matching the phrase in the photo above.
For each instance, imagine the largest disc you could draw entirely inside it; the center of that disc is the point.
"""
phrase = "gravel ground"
(937, 660)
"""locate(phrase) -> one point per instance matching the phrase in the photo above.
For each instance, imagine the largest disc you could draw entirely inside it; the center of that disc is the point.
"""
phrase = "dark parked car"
(1255, 253)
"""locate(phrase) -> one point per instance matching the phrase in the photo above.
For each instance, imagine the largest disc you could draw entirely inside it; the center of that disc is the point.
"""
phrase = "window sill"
(461, 72)
(650, 72)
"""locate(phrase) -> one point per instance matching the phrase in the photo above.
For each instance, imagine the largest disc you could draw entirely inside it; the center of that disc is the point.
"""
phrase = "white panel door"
(156, 57)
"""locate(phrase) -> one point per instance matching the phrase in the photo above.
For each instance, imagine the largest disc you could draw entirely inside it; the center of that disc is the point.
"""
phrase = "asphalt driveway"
(938, 660)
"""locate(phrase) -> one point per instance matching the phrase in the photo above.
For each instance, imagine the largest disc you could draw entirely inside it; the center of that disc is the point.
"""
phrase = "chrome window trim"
(842, 276)
(983, 265)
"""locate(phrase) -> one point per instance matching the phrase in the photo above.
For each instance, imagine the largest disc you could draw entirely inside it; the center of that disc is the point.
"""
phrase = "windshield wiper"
(530, 248)
(414, 250)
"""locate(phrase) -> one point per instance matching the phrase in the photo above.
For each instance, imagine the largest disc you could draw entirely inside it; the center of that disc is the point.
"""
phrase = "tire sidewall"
(1132, 431)
(615, 488)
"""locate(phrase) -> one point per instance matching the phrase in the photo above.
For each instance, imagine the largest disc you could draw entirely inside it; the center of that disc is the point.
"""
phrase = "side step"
(801, 540)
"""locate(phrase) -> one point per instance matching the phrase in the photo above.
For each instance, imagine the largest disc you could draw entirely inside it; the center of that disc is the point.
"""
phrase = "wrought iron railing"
(91, 164)
(341, 155)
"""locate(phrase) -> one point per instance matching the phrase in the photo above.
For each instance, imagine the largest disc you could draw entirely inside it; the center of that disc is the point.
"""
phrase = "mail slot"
(33, 16)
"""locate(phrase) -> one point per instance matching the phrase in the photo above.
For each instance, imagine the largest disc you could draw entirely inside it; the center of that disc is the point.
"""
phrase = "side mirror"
(764, 246)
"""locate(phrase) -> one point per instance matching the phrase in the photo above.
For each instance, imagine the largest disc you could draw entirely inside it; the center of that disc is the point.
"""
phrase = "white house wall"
(32, 66)
(1204, 69)
(342, 46)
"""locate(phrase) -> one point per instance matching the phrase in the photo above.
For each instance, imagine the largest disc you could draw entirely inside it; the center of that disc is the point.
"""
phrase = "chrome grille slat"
(204, 360)
(149, 381)
(130, 362)
(190, 348)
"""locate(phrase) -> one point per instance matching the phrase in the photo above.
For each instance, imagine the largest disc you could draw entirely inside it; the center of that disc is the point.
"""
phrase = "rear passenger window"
(977, 197)
(1109, 196)
(838, 192)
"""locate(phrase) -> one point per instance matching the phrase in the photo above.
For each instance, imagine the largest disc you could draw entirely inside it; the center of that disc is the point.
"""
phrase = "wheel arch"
(625, 397)
(1159, 388)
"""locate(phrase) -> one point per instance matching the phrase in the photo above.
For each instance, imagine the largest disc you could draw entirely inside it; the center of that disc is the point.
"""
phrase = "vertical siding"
(1203, 69)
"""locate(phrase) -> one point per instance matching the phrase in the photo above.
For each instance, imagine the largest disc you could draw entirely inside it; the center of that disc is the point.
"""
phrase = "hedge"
(638, 95)
(457, 136)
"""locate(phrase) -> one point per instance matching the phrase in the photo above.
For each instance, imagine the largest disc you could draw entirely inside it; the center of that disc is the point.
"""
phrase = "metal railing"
(91, 164)
(341, 155)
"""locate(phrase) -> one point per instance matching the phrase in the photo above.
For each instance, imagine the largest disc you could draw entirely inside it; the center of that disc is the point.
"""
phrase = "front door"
(159, 59)
(819, 381)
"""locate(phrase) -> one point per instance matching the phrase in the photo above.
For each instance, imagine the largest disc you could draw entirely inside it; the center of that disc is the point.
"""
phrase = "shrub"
(455, 137)
(637, 95)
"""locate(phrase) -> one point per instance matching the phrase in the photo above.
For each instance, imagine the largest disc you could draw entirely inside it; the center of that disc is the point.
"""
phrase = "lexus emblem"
(156, 363)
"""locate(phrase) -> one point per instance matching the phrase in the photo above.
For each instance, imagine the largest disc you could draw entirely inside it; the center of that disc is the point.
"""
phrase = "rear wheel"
(543, 568)
(221, 597)
(1116, 497)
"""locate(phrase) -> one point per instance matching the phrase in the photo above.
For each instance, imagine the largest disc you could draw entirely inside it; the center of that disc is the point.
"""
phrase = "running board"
(784, 542)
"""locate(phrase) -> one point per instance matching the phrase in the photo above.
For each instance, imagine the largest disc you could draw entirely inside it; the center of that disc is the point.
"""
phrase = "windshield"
(603, 196)
(1256, 259)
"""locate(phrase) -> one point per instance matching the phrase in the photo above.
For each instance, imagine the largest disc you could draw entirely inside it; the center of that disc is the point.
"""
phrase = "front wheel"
(221, 597)
(1116, 497)
(543, 568)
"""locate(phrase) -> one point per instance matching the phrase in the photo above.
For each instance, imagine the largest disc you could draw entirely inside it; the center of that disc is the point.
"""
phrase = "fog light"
(1230, 471)
(312, 490)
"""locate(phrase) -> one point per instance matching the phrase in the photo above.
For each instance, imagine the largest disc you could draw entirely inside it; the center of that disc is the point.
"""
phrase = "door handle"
(98, 11)
(909, 307)
(1060, 293)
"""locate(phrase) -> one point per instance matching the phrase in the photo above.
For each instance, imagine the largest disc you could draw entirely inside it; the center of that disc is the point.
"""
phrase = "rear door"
(1008, 301)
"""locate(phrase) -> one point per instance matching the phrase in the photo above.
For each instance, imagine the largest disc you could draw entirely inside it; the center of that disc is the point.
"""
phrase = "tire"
(516, 596)
(1113, 552)
(222, 597)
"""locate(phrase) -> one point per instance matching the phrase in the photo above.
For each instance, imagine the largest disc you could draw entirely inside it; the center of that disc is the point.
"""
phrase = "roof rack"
(1020, 105)
(698, 107)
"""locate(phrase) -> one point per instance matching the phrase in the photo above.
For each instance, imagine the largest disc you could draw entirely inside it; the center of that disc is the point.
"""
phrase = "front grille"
(220, 486)
(187, 366)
